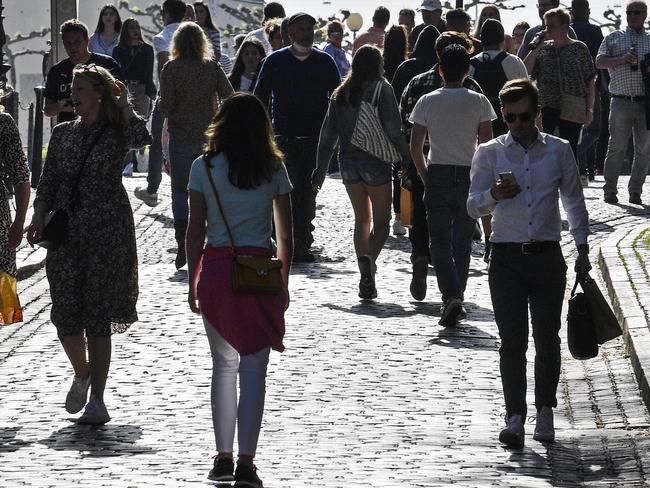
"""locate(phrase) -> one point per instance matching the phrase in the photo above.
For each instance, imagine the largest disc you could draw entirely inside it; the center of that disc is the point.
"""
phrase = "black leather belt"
(533, 247)
(630, 99)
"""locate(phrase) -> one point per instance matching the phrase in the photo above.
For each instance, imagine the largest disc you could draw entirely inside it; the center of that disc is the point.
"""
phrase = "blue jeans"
(181, 154)
(586, 156)
(450, 227)
(627, 118)
(154, 175)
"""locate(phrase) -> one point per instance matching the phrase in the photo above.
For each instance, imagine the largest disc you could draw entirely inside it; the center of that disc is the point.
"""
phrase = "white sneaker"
(513, 435)
(128, 170)
(584, 181)
(95, 413)
(150, 199)
(78, 394)
(544, 428)
(398, 228)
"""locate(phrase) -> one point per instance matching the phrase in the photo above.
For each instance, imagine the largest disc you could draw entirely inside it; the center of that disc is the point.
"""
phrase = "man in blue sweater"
(295, 83)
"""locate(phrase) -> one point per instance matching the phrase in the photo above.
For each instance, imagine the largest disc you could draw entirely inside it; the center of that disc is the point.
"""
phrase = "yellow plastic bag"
(10, 309)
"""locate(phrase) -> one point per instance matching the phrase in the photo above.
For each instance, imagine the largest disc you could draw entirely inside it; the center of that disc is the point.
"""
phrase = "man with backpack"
(492, 69)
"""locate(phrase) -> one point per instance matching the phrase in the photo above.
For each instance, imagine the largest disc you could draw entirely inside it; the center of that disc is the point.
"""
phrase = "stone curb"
(625, 303)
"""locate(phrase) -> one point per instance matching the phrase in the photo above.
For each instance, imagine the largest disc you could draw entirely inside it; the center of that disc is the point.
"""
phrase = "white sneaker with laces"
(95, 413)
(544, 428)
(398, 228)
(150, 199)
(513, 435)
(77, 395)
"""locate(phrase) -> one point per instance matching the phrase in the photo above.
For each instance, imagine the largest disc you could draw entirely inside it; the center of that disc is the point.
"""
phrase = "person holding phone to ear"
(517, 178)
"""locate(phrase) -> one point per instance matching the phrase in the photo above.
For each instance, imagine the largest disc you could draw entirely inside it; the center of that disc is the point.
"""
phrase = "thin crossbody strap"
(216, 195)
(375, 95)
(75, 187)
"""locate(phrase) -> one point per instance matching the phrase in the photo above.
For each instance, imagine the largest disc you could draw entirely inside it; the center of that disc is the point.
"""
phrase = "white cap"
(431, 5)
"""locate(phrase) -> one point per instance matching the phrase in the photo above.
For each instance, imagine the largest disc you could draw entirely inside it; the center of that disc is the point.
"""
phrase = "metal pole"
(30, 135)
(3, 67)
(37, 141)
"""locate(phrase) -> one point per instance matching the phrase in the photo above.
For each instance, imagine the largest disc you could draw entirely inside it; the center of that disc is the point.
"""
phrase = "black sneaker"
(247, 476)
(222, 470)
(635, 198)
(450, 312)
(303, 257)
(610, 198)
(367, 289)
(418, 286)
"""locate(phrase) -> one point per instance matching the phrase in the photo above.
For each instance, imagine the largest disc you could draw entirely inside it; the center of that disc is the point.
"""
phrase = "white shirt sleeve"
(419, 113)
(480, 201)
(572, 197)
(487, 112)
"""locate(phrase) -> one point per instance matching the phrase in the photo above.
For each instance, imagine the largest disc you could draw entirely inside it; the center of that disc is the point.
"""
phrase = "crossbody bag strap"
(375, 95)
(575, 286)
(216, 195)
(75, 186)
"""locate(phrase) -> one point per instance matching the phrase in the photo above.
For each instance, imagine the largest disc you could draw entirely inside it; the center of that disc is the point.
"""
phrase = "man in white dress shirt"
(517, 177)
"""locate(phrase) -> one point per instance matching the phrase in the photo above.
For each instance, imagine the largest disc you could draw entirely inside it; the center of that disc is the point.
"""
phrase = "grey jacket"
(338, 127)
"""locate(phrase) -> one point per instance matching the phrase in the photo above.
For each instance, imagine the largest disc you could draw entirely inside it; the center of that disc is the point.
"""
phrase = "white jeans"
(226, 364)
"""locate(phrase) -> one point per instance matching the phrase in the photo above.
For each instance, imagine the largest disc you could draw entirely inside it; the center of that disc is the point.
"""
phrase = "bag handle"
(216, 194)
(575, 286)
(75, 186)
(377, 92)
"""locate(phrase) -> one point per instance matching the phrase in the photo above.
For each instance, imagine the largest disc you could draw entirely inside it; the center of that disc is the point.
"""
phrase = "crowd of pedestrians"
(470, 122)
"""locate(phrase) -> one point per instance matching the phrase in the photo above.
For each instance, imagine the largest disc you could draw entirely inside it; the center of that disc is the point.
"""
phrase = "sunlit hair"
(560, 14)
(272, 27)
(100, 24)
(366, 66)
(190, 43)
(74, 25)
(104, 83)
(124, 33)
(208, 24)
(482, 18)
(241, 129)
(395, 48)
(452, 37)
(515, 90)
(238, 67)
(523, 25)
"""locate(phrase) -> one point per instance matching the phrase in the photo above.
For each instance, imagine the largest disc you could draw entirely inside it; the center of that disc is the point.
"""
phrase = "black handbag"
(606, 325)
(55, 224)
(581, 330)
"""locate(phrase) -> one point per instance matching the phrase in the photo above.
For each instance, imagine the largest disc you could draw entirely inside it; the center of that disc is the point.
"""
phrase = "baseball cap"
(431, 5)
(301, 16)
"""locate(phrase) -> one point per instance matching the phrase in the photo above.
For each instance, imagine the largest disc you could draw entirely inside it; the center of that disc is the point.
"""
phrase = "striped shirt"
(625, 81)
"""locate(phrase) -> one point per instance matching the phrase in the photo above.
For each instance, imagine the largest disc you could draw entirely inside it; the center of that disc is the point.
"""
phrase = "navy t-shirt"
(59, 79)
(297, 92)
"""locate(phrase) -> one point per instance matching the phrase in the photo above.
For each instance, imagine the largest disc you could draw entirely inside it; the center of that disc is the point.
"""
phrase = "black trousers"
(518, 282)
(300, 160)
(567, 130)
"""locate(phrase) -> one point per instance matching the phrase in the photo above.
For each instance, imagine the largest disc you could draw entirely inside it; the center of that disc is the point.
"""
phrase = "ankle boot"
(180, 227)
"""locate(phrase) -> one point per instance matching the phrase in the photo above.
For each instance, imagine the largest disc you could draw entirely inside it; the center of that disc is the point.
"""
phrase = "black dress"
(93, 275)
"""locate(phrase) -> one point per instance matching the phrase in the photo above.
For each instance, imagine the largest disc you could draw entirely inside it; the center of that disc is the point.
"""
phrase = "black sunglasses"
(635, 12)
(523, 117)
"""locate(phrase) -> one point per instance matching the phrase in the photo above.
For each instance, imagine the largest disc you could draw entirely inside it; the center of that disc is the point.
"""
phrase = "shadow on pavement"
(381, 310)
(465, 336)
(107, 440)
(8, 441)
(168, 222)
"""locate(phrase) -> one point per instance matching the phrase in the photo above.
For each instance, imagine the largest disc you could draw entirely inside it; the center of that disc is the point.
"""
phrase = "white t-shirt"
(244, 84)
(162, 41)
(452, 117)
(513, 67)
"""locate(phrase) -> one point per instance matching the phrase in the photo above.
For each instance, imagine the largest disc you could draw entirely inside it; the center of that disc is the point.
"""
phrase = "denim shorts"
(369, 171)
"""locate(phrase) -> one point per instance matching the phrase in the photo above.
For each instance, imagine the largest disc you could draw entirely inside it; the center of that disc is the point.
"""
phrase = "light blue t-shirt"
(248, 212)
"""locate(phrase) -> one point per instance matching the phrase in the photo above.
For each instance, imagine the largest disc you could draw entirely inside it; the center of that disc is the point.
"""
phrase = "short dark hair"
(381, 17)
(457, 19)
(407, 11)
(274, 10)
(515, 90)
(175, 9)
(452, 37)
(580, 9)
(74, 25)
(454, 63)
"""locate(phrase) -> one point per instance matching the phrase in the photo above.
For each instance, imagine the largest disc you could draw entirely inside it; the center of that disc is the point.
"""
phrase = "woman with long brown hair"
(107, 32)
(93, 274)
(367, 179)
(238, 189)
(247, 65)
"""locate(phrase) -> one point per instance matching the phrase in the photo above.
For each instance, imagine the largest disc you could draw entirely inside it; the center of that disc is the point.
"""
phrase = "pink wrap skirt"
(249, 323)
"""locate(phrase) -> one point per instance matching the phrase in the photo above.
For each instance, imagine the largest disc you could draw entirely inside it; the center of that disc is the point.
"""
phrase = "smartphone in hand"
(509, 177)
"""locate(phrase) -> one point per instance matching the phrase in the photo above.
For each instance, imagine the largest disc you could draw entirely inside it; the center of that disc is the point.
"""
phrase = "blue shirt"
(296, 91)
(249, 212)
(340, 58)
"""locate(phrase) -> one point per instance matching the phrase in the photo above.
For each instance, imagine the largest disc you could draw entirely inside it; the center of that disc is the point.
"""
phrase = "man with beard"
(296, 83)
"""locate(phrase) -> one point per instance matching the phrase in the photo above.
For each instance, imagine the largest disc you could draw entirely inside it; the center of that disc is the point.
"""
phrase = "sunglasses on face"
(523, 117)
(635, 12)
(336, 34)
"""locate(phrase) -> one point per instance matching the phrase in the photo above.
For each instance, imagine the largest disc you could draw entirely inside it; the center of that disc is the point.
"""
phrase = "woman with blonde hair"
(192, 84)
(93, 273)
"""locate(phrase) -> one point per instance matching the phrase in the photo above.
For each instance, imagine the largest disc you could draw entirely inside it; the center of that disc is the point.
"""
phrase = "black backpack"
(490, 75)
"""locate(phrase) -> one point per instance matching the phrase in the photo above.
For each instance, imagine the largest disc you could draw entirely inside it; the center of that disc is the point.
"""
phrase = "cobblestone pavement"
(366, 394)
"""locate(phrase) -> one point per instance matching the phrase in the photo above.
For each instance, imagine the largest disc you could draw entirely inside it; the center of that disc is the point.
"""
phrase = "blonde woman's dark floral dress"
(93, 275)
(14, 170)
